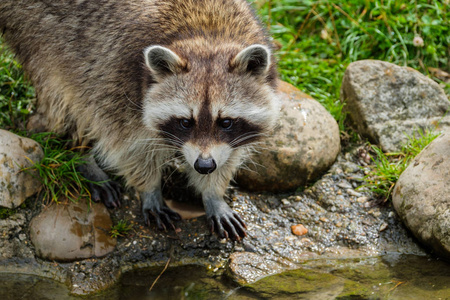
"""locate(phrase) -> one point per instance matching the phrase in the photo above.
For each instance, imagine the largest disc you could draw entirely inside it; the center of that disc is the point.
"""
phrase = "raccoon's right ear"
(254, 59)
(162, 61)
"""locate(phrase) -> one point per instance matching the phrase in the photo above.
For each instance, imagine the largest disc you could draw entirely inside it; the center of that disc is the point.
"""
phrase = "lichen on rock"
(17, 153)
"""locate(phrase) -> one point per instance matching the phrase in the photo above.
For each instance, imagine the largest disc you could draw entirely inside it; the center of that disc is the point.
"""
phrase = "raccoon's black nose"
(205, 166)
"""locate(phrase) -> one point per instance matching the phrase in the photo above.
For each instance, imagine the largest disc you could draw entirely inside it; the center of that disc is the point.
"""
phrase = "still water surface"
(387, 277)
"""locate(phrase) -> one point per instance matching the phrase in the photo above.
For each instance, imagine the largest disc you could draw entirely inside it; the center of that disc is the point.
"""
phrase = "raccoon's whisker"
(173, 137)
(162, 147)
(166, 162)
(137, 105)
(152, 152)
(165, 133)
(170, 175)
(255, 164)
(166, 141)
(255, 147)
(165, 146)
(245, 167)
(153, 139)
(244, 137)
(165, 152)
(258, 149)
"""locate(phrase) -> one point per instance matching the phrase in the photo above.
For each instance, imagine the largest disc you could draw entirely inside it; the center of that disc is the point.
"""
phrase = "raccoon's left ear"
(254, 59)
(162, 61)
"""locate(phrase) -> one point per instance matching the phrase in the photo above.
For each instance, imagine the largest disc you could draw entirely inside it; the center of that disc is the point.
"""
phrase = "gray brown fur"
(85, 59)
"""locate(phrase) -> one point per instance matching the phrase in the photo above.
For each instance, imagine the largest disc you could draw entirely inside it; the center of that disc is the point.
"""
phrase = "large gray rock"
(387, 102)
(422, 196)
(303, 146)
(16, 153)
(72, 231)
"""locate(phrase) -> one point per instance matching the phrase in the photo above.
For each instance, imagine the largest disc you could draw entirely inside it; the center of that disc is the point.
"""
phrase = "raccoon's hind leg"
(153, 205)
(104, 189)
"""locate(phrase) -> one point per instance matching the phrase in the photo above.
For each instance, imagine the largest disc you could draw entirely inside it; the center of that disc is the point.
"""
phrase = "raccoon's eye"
(226, 123)
(186, 123)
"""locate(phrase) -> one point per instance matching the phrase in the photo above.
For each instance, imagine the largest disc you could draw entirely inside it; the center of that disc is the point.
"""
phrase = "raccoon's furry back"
(85, 60)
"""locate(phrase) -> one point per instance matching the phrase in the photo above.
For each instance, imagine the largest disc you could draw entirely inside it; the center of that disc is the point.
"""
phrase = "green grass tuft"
(388, 167)
(57, 170)
(120, 229)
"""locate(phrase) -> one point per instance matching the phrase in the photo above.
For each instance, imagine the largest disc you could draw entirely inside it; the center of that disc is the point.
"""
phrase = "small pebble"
(383, 227)
(376, 214)
(344, 185)
(353, 193)
(299, 229)
(285, 202)
(362, 199)
(338, 171)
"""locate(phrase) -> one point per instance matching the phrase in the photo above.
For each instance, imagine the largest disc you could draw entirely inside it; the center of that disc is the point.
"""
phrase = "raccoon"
(143, 80)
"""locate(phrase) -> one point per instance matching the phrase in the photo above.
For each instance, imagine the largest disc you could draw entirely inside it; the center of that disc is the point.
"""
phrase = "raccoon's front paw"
(153, 205)
(228, 224)
(163, 217)
(108, 192)
(100, 186)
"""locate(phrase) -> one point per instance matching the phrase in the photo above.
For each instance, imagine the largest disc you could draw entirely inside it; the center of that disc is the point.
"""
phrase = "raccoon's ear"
(162, 61)
(254, 59)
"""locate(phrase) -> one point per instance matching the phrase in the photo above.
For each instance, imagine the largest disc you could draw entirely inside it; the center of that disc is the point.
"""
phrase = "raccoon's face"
(211, 107)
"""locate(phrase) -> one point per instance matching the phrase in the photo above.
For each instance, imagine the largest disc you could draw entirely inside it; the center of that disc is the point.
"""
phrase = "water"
(388, 277)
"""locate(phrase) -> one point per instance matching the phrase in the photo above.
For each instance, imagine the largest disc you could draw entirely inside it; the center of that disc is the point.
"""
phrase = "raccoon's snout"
(205, 166)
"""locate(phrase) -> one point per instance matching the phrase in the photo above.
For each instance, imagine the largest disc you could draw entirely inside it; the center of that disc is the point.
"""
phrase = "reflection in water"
(388, 277)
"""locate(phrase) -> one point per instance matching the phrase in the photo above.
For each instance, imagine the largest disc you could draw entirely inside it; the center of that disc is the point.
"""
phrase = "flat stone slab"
(17, 153)
(422, 196)
(387, 102)
(72, 231)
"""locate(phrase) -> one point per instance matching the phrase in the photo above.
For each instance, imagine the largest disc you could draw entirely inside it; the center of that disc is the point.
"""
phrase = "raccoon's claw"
(228, 225)
(100, 186)
(163, 216)
(109, 192)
